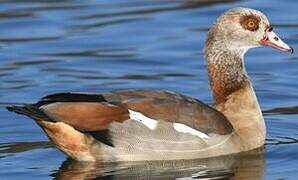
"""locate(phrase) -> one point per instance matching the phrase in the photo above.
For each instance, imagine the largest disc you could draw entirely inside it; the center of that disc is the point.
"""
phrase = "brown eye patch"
(250, 22)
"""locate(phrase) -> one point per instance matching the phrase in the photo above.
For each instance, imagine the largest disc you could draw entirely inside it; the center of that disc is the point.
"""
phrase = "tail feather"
(30, 110)
(72, 142)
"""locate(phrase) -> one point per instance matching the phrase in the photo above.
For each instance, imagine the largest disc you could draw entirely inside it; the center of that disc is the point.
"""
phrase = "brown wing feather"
(88, 116)
(168, 106)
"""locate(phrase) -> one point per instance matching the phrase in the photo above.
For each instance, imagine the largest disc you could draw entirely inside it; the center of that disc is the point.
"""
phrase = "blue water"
(53, 46)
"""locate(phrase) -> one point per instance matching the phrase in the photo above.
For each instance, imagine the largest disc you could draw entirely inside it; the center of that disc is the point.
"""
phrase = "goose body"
(138, 125)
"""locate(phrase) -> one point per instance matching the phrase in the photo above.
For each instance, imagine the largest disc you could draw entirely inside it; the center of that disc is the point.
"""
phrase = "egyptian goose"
(138, 125)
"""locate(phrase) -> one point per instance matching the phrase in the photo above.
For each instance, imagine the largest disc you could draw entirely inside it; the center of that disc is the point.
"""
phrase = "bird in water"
(140, 125)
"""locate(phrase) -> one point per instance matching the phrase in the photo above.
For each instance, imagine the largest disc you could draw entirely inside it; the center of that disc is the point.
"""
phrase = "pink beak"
(270, 39)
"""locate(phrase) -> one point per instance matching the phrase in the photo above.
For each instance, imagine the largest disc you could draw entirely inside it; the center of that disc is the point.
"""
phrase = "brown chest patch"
(224, 83)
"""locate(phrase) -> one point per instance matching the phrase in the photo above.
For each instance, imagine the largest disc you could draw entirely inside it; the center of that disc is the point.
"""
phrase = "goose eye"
(250, 23)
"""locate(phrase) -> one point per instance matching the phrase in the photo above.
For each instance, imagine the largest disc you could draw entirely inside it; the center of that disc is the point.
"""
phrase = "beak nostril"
(276, 38)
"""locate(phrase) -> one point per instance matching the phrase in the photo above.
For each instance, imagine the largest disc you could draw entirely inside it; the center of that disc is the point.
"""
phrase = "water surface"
(54, 46)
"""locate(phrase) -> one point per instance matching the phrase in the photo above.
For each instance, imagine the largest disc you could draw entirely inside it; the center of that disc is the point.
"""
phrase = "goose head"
(231, 36)
(241, 29)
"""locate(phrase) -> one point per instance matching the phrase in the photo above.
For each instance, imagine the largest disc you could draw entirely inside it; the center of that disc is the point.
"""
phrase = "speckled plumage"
(227, 74)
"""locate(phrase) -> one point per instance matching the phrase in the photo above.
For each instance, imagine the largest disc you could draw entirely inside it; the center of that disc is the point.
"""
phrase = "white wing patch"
(136, 116)
(186, 129)
(151, 124)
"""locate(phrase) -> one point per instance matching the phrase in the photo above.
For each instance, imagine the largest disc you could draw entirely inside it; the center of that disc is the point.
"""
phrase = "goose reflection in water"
(249, 166)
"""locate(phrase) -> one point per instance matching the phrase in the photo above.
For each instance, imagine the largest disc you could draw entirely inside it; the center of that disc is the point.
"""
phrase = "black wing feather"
(70, 97)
